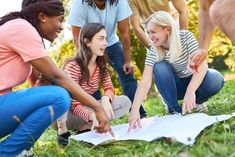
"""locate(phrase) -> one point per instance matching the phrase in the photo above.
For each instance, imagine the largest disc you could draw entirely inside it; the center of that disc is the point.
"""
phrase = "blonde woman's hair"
(164, 19)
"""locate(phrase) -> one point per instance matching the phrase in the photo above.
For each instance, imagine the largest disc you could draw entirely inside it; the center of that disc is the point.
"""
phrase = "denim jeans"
(172, 88)
(25, 114)
(128, 82)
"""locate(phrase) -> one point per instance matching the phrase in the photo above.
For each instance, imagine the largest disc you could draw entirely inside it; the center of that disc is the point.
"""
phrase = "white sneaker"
(166, 106)
(25, 153)
(201, 107)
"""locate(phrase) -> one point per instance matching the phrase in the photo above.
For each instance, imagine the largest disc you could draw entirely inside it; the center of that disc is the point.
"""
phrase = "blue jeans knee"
(211, 85)
(63, 97)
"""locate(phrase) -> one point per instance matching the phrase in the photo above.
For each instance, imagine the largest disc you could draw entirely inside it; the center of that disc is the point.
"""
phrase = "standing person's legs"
(128, 82)
(211, 84)
(26, 114)
(168, 84)
(222, 14)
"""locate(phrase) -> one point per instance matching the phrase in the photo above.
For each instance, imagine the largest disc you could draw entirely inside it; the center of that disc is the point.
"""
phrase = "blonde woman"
(167, 61)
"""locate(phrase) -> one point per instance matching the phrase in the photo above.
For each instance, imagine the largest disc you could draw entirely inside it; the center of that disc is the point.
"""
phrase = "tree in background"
(221, 54)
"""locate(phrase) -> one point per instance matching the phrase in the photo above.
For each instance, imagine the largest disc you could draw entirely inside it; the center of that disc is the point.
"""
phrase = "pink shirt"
(19, 43)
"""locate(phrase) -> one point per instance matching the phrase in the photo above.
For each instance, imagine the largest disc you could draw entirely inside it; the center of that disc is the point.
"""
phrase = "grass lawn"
(217, 140)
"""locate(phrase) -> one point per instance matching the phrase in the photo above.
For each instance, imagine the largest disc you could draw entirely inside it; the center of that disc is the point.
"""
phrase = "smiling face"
(158, 35)
(98, 43)
(50, 26)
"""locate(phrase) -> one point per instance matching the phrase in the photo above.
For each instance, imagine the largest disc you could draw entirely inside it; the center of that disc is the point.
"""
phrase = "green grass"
(217, 140)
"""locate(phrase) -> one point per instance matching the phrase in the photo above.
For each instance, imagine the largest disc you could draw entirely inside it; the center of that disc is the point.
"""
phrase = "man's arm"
(181, 7)
(206, 29)
(123, 27)
(76, 32)
(206, 26)
(139, 32)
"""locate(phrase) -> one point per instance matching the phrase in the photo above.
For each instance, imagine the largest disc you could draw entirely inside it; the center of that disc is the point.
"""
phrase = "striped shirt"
(189, 45)
(73, 70)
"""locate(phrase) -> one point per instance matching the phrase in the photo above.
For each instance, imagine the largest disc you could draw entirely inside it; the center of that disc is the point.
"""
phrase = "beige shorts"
(121, 105)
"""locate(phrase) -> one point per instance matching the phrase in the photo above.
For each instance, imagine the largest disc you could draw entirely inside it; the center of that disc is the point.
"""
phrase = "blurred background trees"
(221, 54)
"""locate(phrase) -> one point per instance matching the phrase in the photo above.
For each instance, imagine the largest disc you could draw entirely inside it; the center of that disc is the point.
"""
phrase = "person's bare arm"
(206, 26)
(138, 30)
(143, 87)
(76, 32)
(189, 101)
(33, 77)
(56, 76)
(206, 29)
(37, 79)
(140, 94)
(123, 27)
(181, 7)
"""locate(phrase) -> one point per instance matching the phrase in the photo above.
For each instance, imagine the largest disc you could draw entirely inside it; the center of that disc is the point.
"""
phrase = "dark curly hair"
(31, 9)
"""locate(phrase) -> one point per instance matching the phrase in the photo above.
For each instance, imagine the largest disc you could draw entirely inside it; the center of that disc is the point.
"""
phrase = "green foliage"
(138, 52)
(66, 51)
(221, 52)
(66, 4)
(216, 140)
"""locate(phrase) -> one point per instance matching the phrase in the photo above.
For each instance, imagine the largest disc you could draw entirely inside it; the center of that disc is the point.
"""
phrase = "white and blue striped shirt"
(189, 45)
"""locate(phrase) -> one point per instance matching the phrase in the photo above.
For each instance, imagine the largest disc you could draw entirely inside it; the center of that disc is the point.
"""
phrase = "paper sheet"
(180, 128)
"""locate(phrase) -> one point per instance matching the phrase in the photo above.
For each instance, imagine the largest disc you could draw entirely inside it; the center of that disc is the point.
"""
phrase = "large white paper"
(180, 128)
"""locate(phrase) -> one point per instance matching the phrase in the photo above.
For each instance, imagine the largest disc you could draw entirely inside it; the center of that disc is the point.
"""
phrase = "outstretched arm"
(49, 70)
(206, 29)
(189, 101)
(123, 27)
(181, 7)
(140, 94)
(138, 30)
(33, 77)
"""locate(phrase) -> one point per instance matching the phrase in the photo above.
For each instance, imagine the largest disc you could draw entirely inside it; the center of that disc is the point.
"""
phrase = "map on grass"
(177, 127)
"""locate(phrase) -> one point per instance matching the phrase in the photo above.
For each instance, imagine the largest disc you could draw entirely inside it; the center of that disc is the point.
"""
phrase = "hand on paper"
(134, 120)
(189, 102)
(107, 107)
(104, 125)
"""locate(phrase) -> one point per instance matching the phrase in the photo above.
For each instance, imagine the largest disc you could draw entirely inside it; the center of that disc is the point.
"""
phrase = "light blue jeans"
(25, 114)
(172, 88)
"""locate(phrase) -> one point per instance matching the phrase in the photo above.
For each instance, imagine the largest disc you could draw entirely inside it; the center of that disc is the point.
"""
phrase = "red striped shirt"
(73, 70)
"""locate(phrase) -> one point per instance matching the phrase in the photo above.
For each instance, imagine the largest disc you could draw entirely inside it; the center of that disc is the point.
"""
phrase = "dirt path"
(228, 77)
